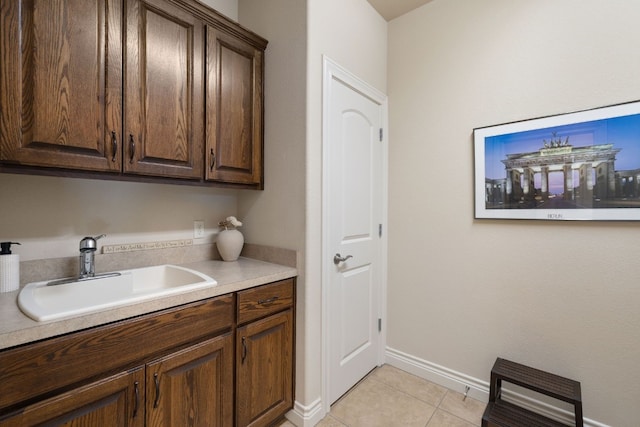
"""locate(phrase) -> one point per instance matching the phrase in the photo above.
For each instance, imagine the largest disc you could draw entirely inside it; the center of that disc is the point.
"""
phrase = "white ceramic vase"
(230, 244)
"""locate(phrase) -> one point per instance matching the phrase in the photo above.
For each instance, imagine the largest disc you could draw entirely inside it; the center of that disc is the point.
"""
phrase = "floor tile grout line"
(344, 423)
(411, 395)
(379, 379)
(431, 417)
(407, 394)
(386, 384)
(451, 413)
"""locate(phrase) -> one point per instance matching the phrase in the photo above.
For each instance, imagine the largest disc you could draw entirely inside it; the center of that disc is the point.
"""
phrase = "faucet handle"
(89, 243)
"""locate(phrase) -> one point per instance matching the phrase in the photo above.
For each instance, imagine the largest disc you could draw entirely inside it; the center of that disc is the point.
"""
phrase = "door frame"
(332, 71)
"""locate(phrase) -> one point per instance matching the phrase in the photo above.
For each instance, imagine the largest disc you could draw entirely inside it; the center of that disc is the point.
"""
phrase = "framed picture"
(577, 166)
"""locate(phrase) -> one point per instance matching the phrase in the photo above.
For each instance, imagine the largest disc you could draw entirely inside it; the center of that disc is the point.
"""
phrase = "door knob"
(337, 259)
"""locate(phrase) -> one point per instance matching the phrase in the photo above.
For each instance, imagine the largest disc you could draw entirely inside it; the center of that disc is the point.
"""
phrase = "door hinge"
(381, 134)
(379, 230)
(379, 325)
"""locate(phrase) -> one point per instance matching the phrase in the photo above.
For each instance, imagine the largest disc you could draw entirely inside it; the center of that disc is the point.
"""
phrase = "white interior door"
(353, 215)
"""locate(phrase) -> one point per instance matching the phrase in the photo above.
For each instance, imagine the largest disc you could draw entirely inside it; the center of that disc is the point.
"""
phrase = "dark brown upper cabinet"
(156, 88)
(164, 92)
(234, 141)
(61, 83)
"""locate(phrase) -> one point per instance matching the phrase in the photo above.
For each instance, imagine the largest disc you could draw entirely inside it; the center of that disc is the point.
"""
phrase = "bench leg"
(578, 411)
(494, 387)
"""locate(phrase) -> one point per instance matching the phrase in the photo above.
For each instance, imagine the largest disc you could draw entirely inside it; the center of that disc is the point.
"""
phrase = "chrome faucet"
(88, 248)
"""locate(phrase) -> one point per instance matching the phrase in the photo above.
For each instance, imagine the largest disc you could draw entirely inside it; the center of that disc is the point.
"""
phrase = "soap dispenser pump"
(9, 268)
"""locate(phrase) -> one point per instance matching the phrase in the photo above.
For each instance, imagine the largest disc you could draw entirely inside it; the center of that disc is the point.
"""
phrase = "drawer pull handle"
(114, 145)
(213, 160)
(157, 381)
(268, 300)
(137, 401)
(132, 148)
(244, 348)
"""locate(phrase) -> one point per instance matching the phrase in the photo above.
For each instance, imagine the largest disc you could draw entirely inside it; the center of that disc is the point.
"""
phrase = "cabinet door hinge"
(379, 325)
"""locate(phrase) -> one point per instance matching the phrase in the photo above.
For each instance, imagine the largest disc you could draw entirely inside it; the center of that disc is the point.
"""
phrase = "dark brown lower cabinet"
(264, 390)
(192, 387)
(264, 354)
(174, 367)
(112, 401)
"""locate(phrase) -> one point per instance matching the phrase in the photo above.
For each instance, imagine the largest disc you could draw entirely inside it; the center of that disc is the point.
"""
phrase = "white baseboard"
(306, 416)
(438, 374)
(478, 389)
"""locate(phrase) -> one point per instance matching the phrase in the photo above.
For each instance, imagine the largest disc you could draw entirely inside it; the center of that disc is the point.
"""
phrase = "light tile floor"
(390, 397)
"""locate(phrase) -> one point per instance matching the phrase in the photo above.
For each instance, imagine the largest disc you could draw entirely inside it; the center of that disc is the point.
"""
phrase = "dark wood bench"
(504, 414)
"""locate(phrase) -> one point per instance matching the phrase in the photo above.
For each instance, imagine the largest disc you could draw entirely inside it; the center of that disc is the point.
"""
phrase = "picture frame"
(583, 165)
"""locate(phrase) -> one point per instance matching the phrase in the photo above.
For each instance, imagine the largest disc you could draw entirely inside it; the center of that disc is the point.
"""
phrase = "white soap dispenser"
(9, 268)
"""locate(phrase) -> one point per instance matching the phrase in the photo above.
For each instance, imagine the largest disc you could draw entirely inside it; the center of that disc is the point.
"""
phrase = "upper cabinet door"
(234, 110)
(61, 83)
(164, 103)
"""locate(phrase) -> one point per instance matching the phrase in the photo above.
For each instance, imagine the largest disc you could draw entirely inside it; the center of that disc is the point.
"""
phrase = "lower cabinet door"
(264, 369)
(192, 387)
(114, 401)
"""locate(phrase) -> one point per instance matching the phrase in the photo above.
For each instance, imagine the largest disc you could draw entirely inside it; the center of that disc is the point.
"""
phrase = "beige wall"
(289, 210)
(50, 215)
(276, 216)
(561, 296)
(228, 8)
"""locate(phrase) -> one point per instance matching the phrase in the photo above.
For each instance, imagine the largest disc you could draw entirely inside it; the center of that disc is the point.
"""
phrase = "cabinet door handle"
(114, 145)
(157, 381)
(132, 148)
(213, 160)
(137, 401)
(268, 300)
(244, 348)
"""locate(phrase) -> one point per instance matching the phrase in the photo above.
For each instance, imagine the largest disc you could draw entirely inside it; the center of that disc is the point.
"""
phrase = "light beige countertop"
(16, 328)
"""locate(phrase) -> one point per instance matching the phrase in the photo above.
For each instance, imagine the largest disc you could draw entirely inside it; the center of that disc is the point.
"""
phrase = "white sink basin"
(43, 302)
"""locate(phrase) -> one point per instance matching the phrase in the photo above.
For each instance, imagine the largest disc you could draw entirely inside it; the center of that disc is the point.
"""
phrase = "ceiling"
(390, 9)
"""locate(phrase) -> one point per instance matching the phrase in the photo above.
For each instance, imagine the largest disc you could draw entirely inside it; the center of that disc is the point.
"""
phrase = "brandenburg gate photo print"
(576, 166)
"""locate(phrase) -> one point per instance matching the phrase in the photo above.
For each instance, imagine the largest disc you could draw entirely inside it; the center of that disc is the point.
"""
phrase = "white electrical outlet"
(198, 229)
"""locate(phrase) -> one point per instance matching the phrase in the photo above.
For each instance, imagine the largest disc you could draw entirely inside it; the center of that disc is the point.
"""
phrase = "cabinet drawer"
(32, 370)
(264, 300)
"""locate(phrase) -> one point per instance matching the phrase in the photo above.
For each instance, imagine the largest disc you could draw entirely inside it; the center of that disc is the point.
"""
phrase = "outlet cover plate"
(198, 229)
